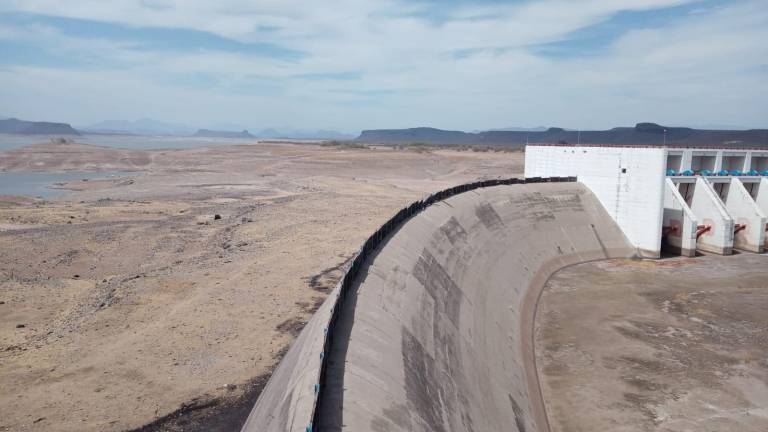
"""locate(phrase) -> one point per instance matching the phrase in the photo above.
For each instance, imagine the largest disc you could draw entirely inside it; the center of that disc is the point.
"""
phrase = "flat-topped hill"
(23, 127)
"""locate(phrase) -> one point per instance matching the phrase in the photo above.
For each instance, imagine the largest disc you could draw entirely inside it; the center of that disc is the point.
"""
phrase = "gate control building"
(677, 199)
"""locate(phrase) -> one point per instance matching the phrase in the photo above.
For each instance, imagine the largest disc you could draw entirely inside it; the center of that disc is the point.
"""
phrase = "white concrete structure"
(717, 224)
(683, 199)
(758, 190)
(680, 224)
(628, 181)
(747, 216)
(760, 195)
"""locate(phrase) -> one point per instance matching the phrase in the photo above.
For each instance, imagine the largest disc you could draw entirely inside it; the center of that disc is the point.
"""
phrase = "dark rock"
(21, 325)
(216, 217)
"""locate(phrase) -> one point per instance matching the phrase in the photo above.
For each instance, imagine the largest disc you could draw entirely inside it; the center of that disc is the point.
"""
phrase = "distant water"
(38, 184)
(8, 142)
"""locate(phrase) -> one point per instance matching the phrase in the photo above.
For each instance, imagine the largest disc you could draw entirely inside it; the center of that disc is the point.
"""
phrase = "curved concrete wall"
(432, 330)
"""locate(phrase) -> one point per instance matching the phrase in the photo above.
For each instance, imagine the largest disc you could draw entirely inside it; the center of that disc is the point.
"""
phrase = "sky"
(362, 64)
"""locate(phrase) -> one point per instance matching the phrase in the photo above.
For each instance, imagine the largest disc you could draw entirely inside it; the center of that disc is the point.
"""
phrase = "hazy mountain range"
(207, 133)
(303, 134)
(221, 130)
(641, 134)
(143, 126)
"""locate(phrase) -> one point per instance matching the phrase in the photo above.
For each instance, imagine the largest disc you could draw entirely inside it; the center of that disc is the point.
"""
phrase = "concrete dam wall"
(431, 328)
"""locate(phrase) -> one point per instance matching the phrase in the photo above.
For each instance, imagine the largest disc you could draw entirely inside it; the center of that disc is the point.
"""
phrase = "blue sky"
(354, 64)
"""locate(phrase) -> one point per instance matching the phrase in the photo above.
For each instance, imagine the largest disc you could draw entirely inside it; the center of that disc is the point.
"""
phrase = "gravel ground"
(678, 344)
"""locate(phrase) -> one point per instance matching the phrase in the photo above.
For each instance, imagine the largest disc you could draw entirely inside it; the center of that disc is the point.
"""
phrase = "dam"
(433, 329)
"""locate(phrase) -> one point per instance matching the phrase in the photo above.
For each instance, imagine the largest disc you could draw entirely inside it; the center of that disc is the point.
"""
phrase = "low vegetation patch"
(345, 145)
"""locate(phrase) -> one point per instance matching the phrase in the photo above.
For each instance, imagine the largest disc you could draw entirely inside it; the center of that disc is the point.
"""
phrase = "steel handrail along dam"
(431, 327)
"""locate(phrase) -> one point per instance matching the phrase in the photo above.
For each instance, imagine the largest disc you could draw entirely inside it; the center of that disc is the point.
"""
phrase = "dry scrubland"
(128, 299)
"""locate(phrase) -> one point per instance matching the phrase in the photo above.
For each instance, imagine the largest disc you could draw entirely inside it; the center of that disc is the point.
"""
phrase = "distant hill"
(23, 127)
(207, 133)
(641, 134)
(143, 126)
(420, 134)
(520, 129)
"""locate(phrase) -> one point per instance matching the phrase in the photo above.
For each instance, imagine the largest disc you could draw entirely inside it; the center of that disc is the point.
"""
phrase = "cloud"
(390, 63)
